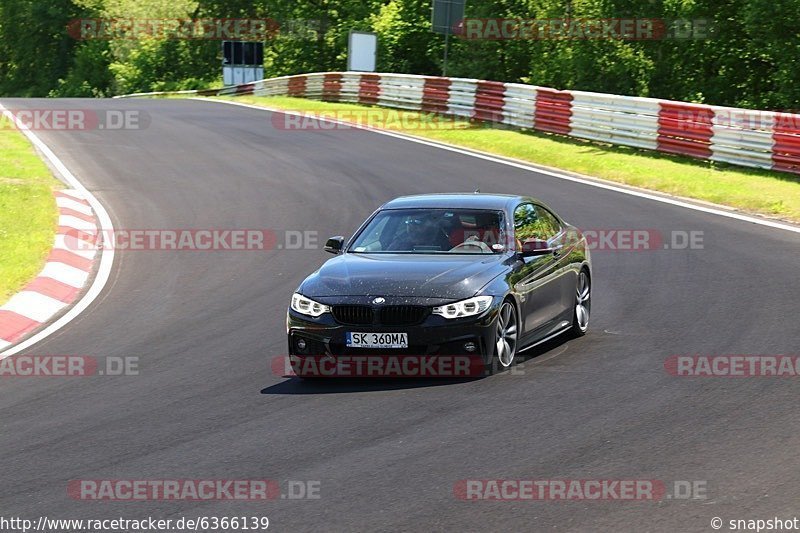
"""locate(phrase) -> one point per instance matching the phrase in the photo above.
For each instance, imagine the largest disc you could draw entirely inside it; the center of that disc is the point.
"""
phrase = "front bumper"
(325, 339)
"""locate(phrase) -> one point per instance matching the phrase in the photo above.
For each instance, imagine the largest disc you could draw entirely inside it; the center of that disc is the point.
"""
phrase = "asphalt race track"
(387, 454)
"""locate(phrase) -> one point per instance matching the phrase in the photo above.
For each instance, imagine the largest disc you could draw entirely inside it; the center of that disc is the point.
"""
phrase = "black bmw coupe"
(479, 275)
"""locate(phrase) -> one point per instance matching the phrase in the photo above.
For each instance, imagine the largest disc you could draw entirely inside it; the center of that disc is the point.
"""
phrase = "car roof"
(456, 200)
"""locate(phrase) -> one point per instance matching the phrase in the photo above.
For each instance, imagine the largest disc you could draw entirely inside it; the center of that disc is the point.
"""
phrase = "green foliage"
(405, 39)
(35, 49)
(89, 75)
(747, 57)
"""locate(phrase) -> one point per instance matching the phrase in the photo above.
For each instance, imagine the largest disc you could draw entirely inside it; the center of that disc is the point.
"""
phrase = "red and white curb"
(79, 208)
(64, 275)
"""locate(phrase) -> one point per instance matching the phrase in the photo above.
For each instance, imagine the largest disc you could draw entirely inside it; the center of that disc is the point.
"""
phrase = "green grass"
(28, 213)
(773, 194)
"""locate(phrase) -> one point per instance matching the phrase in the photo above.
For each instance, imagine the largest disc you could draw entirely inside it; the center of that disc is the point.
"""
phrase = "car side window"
(534, 222)
(550, 223)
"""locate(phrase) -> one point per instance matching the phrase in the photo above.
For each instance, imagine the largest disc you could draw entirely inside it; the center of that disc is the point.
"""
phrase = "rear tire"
(583, 305)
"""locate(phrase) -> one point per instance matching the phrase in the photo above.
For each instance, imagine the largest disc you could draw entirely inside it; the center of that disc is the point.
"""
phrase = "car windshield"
(427, 231)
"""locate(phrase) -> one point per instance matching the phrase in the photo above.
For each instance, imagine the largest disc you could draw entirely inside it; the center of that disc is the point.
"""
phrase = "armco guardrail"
(752, 138)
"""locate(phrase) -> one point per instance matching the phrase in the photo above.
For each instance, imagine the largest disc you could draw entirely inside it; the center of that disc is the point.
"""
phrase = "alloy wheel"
(506, 343)
(583, 302)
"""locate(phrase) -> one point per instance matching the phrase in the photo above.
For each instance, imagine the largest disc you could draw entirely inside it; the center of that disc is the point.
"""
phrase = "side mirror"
(533, 247)
(334, 245)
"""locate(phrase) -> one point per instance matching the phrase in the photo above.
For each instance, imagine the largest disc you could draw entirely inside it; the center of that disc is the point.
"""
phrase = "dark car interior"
(433, 230)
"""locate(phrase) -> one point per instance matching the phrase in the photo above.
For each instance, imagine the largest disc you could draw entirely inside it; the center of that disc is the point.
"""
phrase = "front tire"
(583, 305)
(505, 339)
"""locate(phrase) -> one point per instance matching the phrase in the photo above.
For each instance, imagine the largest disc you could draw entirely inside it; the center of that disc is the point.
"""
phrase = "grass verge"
(28, 213)
(774, 194)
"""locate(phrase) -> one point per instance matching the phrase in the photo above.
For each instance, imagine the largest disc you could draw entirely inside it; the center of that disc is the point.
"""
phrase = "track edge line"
(106, 257)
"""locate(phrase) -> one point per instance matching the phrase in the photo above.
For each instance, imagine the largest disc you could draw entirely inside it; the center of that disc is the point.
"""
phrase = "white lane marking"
(70, 221)
(4, 344)
(106, 258)
(71, 244)
(34, 305)
(592, 182)
(64, 273)
(72, 204)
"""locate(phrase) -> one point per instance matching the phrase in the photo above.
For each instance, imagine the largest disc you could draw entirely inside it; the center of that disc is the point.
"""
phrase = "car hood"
(450, 277)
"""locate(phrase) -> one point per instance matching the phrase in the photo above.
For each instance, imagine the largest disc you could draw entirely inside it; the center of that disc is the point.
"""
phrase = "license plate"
(377, 340)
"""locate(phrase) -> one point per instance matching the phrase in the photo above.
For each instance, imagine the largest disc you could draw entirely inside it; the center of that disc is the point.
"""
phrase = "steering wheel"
(480, 245)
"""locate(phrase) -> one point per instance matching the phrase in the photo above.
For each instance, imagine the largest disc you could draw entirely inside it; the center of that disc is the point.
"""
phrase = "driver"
(421, 231)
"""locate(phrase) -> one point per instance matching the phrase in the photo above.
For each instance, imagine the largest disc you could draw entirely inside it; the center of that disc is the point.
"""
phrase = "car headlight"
(307, 306)
(470, 307)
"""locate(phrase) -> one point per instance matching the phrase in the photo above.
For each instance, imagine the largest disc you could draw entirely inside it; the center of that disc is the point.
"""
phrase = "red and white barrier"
(751, 138)
(553, 111)
(604, 118)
